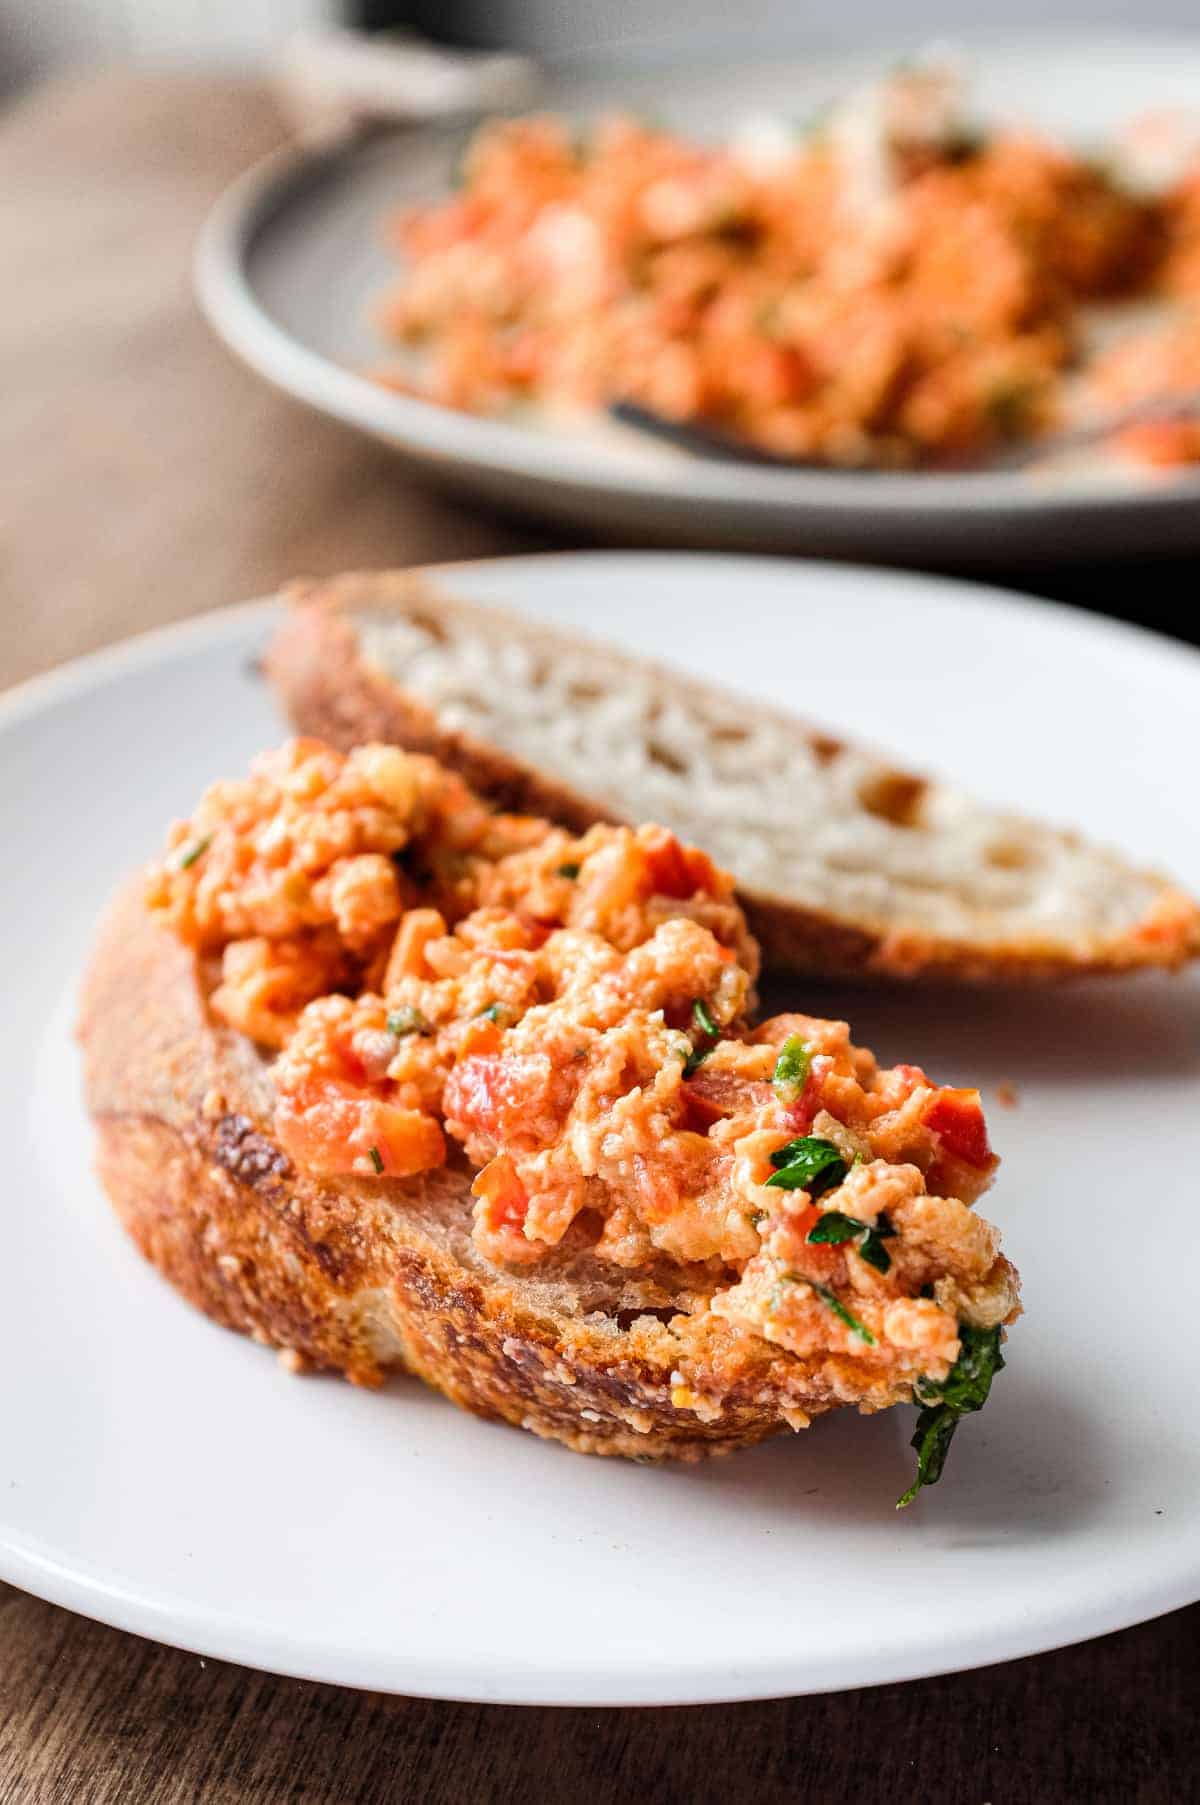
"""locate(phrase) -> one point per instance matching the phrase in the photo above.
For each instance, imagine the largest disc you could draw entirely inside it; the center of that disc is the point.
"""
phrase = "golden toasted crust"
(362, 1277)
(329, 689)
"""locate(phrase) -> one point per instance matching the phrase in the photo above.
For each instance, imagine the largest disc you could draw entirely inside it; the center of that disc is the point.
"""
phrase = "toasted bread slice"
(847, 865)
(365, 1277)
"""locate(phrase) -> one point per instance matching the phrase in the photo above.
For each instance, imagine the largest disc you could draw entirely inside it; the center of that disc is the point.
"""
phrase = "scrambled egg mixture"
(890, 285)
(576, 1013)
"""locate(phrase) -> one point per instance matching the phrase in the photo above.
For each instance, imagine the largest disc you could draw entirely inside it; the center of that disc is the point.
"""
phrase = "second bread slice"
(846, 864)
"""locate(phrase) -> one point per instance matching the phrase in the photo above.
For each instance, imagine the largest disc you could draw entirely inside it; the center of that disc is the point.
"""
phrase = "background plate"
(166, 1476)
(293, 260)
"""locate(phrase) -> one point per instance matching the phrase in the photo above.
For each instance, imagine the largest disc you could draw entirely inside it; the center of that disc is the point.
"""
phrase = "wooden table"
(145, 476)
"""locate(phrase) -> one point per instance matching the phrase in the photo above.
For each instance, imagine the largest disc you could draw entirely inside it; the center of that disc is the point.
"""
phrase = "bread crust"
(348, 1276)
(331, 690)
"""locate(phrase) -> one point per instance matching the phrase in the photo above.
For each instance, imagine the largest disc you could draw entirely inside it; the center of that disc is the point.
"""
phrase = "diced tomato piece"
(538, 931)
(479, 1037)
(352, 1065)
(473, 1091)
(708, 1096)
(1162, 443)
(328, 1128)
(673, 869)
(818, 1262)
(956, 1117)
(799, 1114)
(504, 1097)
(407, 957)
(406, 1141)
(806, 1221)
(775, 374)
(504, 1200)
(810, 1260)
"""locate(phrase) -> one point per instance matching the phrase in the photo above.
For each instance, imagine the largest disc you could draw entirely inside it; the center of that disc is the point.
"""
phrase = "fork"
(711, 442)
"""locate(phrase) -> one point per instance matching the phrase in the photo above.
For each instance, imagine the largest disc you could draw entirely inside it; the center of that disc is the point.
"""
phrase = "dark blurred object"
(690, 435)
(445, 21)
(706, 441)
(1160, 593)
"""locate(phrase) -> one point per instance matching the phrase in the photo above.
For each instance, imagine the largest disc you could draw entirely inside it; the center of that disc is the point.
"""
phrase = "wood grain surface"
(144, 475)
(92, 1717)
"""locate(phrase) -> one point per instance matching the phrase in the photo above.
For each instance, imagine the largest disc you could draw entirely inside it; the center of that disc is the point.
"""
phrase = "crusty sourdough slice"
(846, 864)
(366, 1277)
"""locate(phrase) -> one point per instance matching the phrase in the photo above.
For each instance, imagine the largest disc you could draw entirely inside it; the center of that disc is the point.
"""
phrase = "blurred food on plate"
(891, 284)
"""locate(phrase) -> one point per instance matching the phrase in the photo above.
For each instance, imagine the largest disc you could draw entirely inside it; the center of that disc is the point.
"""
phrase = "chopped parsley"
(703, 1018)
(835, 1227)
(406, 1021)
(706, 1025)
(376, 1158)
(570, 869)
(871, 1248)
(807, 1164)
(834, 1302)
(1008, 406)
(829, 1298)
(791, 1068)
(965, 1389)
(196, 851)
(495, 1012)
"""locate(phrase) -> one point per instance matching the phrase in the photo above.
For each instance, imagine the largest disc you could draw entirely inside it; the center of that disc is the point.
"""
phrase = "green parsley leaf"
(570, 869)
(970, 1378)
(702, 1015)
(495, 1012)
(376, 1158)
(964, 1390)
(839, 1309)
(791, 1068)
(194, 852)
(703, 1018)
(932, 1442)
(807, 1164)
(835, 1227)
(871, 1248)
(406, 1021)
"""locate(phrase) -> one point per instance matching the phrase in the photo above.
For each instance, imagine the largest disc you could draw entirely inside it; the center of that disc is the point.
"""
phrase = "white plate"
(168, 1477)
(293, 259)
